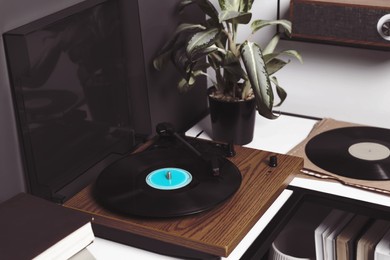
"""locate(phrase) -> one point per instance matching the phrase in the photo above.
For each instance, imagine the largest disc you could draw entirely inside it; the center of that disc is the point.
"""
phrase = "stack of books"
(347, 236)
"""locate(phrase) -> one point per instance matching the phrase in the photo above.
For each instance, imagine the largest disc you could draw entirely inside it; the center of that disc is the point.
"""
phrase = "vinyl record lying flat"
(127, 187)
(354, 152)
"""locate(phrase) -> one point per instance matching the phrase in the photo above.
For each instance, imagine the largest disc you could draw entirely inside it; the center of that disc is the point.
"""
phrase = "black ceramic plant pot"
(232, 122)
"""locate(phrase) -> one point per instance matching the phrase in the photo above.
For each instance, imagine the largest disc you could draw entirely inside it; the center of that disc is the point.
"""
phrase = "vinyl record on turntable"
(165, 183)
(354, 152)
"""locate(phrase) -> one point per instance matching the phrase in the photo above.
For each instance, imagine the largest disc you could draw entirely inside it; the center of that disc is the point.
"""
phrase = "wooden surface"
(219, 230)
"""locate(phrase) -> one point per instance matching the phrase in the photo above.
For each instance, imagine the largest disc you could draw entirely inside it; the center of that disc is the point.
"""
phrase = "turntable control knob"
(383, 27)
(273, 161)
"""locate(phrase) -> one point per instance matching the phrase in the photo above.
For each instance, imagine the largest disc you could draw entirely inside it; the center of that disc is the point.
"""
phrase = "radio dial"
(383, 27)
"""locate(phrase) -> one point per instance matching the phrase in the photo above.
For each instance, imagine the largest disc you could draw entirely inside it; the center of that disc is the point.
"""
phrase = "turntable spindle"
(169, 175)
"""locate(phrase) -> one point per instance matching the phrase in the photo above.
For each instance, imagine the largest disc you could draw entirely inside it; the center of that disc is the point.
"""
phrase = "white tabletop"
(278, 136)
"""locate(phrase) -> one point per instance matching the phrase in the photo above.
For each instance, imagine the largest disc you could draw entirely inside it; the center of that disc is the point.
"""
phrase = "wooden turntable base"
(217, 231)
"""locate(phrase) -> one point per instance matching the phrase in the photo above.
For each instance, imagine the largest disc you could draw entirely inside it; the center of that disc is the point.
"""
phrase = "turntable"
(209, 213)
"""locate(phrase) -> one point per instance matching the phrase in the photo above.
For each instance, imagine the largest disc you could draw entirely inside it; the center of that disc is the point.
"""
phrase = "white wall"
(347, 84)
(350, 84)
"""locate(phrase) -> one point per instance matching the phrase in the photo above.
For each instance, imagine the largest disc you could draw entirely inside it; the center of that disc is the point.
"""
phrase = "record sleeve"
(312, 171)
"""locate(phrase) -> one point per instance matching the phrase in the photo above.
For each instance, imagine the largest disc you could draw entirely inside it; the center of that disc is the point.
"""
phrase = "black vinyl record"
(122, 186)
(354, 152)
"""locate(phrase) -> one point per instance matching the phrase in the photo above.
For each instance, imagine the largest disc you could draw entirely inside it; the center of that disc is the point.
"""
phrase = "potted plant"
(241, 72)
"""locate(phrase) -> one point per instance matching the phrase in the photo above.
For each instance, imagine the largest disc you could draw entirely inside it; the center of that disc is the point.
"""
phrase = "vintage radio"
(357, 23)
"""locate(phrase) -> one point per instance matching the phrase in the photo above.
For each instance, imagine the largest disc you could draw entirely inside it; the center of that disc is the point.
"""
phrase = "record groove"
(354, 152)
(122, 186)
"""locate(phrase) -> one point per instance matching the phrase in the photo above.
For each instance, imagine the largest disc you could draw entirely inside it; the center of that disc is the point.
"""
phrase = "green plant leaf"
(246, 5)
(246, 90)
(201, 40)
(174, 43)
(258, 24)
(201, 65)
(294, 54)
(202, 53)
(183, 65)
(162, 60)
(275, 65)
(229, 5)
(282, 94)
(232, 73)
(236, 5)
(270, 56)
(270, 47)
(235, 17)
(185, 85)
(232, 64)
(259, 78)
(206, 6)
